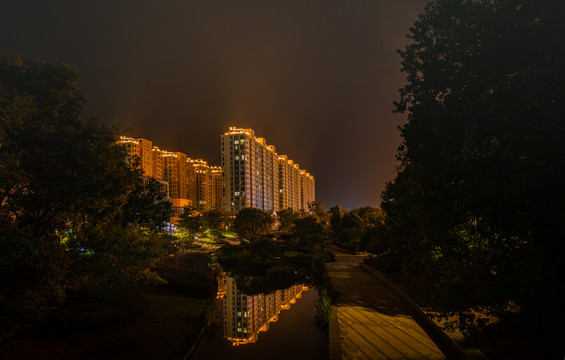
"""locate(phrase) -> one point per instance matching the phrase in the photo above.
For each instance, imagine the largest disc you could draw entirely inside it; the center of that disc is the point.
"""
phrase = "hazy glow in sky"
(315, 78)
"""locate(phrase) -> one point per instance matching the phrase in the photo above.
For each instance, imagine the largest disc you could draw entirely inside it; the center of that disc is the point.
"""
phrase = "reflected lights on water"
(247, 315)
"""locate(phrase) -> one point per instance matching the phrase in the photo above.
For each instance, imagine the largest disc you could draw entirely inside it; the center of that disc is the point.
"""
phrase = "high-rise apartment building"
(175, 171)
(216, 186)
(203, 185)
(148, 157)
(256, 176)
(138, 150)
(187, 182)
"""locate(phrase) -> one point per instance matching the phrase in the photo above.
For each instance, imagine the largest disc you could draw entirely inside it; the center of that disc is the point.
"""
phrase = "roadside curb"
(450, 349)
(334, 337)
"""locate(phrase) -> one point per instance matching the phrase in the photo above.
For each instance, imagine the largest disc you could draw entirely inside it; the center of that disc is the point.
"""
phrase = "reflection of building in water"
(221, 285)
(246, 315)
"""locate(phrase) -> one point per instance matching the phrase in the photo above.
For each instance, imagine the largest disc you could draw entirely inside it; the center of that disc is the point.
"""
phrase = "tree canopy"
(67, 197)
(252, 223)
(478, 194)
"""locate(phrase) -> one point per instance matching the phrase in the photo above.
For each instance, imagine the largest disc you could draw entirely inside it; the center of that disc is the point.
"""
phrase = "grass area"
(230, 235)
(166, 328)
(210, 237)
(207, 240)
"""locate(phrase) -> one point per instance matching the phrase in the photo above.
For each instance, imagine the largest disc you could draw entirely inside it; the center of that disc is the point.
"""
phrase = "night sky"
(317, 79)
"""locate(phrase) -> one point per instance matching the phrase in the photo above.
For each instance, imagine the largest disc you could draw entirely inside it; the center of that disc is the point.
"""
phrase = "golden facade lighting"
(245, 316)
(256, 176)
(176, 172)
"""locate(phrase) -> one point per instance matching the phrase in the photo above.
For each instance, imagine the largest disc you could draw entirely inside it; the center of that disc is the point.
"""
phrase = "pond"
(276, 325)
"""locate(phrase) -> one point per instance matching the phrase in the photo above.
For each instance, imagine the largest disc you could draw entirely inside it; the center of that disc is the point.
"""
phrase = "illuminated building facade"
(187, 182)
(203, 186)
(206, 185)
(247, 315)
(175, 171)
(256, 176)
(142, 149)
(216, 186)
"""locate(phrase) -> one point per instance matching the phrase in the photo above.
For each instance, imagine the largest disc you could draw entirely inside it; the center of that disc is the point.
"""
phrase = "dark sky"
(315, 78)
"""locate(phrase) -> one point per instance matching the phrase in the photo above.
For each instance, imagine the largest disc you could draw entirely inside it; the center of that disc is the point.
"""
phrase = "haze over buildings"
(316, 78)
(252, 175)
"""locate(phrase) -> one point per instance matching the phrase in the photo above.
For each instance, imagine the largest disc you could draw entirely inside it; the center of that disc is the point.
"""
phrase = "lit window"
(237, 193)
(236, 142)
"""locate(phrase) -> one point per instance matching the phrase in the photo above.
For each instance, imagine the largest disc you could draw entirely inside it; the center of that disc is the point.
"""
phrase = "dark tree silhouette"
(251, 223)
(67, 197)
(478, 196)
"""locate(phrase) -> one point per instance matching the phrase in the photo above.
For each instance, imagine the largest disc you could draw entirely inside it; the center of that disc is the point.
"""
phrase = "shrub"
(387, 263)
(318, 261)
(323, 308)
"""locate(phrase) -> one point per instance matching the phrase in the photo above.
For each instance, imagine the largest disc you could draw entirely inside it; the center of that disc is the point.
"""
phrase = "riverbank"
(498, 341)
(143, 323)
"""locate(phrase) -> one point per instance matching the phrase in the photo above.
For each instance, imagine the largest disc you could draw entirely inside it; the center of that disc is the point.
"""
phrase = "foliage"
(33, 279)
(197, 276)
(147, 204)
(191, 221)
(336, 215)
(190, 225)
(478, 196)
(319, 261)
(251, 223)
(262, 247)
(370, 216)
(109, 257)
(357, 228)
(323, 308)
(317, 210)
(375, 240)
(286, 219)
(63, 182)
(351, 227)
(388, 262)
(308, 232)
(215, 220)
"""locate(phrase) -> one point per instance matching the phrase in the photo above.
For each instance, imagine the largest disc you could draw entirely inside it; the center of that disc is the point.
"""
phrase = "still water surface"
(277, 325)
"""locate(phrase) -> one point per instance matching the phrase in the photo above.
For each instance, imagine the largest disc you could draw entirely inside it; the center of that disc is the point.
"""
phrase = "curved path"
(373, 322)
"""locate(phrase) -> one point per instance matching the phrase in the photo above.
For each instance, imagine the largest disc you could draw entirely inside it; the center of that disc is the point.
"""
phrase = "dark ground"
(143, 323)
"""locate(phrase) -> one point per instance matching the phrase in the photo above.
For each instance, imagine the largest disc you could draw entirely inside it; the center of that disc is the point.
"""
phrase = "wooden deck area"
(373, 322)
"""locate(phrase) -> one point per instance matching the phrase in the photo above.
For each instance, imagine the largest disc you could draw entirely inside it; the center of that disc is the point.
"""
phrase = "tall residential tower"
(187, 182)
(256, 176)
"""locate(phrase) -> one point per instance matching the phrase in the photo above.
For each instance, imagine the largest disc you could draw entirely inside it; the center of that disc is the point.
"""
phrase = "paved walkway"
(373, 322)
